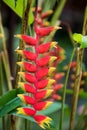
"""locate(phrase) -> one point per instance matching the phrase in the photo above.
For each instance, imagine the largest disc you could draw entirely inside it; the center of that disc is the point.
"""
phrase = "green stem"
(6, 56)
(58, 11)
(76, 89)
(64, 90)
(8, 77)
(80, 53)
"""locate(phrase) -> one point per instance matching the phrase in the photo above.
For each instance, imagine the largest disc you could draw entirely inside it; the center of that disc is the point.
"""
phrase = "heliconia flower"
(43, 94)
(59, 75)
(56, 97)
(42, 105)
(28, 77)
(27, 99)
(27, 87)
(43, 121)
(27, 39)
(27, 54)
(45, 30)
(46, 14)
(73, 64)
(58, 86)
(45, 47)
(46, 60)
(45, 24)
(27, 66)
(26, 111)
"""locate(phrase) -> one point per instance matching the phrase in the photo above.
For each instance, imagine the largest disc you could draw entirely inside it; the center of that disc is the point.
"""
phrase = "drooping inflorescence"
(37, 74)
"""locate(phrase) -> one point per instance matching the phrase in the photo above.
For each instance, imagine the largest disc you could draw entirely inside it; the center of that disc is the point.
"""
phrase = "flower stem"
(23, 31)
(58, 11)
(8, 73)
(80, 53)
(64, 90)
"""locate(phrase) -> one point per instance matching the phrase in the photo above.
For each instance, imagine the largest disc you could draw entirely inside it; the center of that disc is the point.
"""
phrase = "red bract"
(42, 105)
(41, 73)
(30, 78)
(42, 84)
(29, 55)
(45, 30)
(29, 100)
(28, 88)
(43, 61)
(29, 67)
(29, 40)
(44, 47)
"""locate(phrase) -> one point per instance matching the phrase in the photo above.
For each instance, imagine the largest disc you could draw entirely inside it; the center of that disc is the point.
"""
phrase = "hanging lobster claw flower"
(56, 97)
(43, 121)
(28, 77)
(45, 47)
(58, 87)
(27, 39)
(42, 105)
(26, 111)
(59, 75)
(45, 30)
(27, 54)
(46, 14)
(27, 87)
(46, 60)
(43, 94)
(27, 99)
(27, 66)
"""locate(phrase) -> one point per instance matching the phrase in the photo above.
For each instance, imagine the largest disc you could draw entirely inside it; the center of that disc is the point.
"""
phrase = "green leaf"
(9, 96)
(18, 9)
(54, 107)
(77, 38)
(11, 105)
(84, 42)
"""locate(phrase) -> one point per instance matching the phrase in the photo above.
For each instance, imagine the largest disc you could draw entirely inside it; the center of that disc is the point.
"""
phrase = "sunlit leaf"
(77, 38)
(84, 42)
(17, 7)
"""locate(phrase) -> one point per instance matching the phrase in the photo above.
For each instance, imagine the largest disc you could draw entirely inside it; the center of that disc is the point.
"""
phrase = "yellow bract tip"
(20, 111)
(52, 59)
(50, 82)
(44, 122)
(48, 93)
(53, 44)
(51, 70)
(21, 97)
(18, 36)
(19, 63)
(57, 27)
(19, 52)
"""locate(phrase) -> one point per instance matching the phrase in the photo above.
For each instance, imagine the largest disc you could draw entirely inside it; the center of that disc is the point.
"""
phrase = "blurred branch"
(8, 73)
